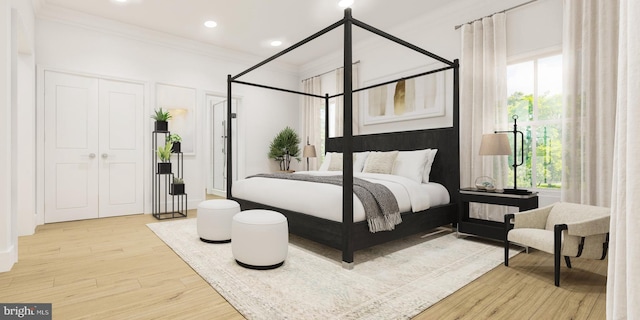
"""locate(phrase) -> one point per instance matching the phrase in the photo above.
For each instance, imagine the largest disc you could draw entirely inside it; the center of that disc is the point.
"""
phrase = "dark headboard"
(446, 166)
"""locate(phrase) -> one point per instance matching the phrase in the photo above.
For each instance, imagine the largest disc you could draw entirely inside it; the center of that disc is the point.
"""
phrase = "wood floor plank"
(116, 268)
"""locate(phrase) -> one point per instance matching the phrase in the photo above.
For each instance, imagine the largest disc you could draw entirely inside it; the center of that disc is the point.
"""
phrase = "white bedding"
(325, 200)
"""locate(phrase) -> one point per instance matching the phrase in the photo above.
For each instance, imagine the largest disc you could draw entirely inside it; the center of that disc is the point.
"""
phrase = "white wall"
(16, 39)
(94, 46)
(8, 241)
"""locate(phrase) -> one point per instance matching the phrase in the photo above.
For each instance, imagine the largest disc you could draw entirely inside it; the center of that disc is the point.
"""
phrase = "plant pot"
(177, 188)
(175, 148)
(164, 167)
(161, 126)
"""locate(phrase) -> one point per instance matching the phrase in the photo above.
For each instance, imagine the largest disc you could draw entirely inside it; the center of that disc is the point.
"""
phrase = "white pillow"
(336, 162)
(380, 162)
(411, 164)
(325, 164)
(359, 160)
(427, 167)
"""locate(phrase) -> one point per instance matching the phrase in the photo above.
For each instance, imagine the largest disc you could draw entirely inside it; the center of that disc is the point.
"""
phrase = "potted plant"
(164, 154)
(177, 187)
(175, 139)
(161, 118)
(285, 146)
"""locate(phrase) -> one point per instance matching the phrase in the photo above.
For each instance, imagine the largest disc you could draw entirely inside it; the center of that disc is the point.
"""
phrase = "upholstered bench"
(214, 220)
(260, 239)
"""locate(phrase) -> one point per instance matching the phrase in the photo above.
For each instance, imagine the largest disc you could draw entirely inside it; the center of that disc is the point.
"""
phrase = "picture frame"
(427, 96)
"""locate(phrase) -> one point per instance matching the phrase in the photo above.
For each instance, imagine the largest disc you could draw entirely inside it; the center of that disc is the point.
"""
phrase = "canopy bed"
(344, 232)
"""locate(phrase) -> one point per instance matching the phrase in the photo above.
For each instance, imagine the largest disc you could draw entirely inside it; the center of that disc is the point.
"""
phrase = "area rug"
(396, 280)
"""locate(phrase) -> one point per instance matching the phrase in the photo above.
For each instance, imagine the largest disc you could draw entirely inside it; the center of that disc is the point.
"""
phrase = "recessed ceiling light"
(210, 24)
(120, 1)
(345, 3)
(276, 43)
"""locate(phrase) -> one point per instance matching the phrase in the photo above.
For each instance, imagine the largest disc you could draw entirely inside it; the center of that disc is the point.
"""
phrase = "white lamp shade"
(309, 151)
(495, 144)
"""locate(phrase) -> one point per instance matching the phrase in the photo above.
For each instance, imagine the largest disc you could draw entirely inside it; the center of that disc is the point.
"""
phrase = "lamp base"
(517, 191)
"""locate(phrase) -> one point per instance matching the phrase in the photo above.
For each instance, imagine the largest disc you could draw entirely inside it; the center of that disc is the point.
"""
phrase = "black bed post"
(326, 119)
(347, 151)
(229, 147)
(456, 124)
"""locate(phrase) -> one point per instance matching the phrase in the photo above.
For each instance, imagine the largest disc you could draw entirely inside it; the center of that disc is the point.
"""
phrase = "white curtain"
(483, 103)
(339, 116)
(590, 46)
(313, 123)
(623, 279)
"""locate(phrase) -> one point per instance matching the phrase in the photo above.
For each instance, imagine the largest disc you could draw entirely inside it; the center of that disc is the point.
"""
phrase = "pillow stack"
(414, 165)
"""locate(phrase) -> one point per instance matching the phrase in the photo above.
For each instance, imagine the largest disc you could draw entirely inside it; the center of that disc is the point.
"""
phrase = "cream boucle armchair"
(567, 229)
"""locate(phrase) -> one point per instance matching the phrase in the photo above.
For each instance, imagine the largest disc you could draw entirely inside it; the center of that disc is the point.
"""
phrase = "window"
(534, 94)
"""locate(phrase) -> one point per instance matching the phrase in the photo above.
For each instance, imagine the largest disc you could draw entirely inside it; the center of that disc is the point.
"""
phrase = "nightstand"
(485, 228)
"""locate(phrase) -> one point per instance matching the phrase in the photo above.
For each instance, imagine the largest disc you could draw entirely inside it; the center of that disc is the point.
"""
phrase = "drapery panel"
(623, 278)
(313, 124)
(483, 103)
(590, 46)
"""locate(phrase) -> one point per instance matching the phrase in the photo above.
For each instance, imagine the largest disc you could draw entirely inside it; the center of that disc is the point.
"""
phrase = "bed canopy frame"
(346, 143)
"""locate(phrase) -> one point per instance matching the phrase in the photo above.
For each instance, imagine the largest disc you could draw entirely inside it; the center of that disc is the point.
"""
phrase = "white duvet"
(325, 200)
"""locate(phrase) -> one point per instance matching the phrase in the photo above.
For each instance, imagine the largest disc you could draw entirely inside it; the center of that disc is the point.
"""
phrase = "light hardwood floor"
(116, 268)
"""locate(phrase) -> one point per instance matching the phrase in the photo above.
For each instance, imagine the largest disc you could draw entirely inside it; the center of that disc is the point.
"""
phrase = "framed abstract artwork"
(422, 97)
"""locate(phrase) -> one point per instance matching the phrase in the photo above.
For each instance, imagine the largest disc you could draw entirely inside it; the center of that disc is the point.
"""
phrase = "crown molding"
(48, 12)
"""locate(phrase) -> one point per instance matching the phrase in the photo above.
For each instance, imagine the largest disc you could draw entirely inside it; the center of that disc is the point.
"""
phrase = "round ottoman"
(214, 220)
(260, 239)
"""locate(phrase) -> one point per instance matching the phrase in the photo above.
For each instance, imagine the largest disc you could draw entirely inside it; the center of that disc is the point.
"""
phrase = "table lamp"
(497, 144)
(309, 151)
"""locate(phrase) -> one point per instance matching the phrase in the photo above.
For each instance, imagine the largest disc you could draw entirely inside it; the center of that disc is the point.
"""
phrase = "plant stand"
(167, 204)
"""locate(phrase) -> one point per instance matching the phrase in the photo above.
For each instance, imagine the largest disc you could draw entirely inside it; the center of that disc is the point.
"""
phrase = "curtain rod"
(505, 10)
(332, 70)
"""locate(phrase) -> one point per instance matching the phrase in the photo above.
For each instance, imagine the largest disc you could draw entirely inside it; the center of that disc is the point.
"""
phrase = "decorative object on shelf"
(285, 146)
(309, 151)
(164, 154)
(175, 139)
(485, 183)
(497, 144)
(162, 118)
(177, 187)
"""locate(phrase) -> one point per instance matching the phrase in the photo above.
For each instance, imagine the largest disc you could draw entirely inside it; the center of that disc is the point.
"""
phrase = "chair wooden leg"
(506, 253)
(557, 247)
(556, 268)
(567, 261)
(507, 227)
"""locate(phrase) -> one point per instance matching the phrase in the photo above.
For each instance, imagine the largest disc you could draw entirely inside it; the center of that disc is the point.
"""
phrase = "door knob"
(92, 155)
(104, 156)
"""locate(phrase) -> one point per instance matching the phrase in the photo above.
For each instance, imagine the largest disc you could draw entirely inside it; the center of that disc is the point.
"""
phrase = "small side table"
(485, 228)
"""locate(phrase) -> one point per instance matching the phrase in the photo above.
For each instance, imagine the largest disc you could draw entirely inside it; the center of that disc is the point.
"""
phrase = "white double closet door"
(93, 147)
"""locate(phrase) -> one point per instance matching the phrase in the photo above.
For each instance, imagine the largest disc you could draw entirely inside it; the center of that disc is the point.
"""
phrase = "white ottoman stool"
(214, 220)
(260, 239)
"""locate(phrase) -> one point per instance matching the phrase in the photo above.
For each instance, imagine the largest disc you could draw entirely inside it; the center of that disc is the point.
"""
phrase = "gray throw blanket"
(380, 205)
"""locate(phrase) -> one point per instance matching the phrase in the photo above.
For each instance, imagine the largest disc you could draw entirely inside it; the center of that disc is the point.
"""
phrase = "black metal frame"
(349, 236)
(164, 181)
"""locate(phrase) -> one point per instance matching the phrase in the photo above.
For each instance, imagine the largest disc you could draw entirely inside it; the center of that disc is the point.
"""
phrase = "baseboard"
(8, 259)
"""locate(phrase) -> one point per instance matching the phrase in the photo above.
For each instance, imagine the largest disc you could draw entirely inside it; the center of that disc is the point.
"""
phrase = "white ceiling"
(250, 25)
